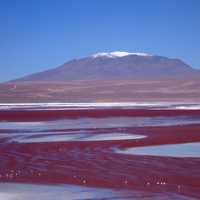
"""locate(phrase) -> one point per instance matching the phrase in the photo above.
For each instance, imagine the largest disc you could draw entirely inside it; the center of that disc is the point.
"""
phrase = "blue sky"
(40, 34)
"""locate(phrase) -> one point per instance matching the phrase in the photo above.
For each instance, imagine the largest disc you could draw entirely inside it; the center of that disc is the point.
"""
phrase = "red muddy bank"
(97, 163)
(36, 115)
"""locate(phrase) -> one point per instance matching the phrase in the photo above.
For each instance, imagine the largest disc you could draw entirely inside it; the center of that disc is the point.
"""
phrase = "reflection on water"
(71, 192)
(58, 137)
(172, 150)
(47, 192)
(106, 122)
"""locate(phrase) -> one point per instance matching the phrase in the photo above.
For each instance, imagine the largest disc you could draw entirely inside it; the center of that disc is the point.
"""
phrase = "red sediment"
(29, 115)
(95, 163)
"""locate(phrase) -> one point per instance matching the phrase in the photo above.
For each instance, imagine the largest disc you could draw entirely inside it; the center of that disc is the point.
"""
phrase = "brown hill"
(108, 77)
(117, 66)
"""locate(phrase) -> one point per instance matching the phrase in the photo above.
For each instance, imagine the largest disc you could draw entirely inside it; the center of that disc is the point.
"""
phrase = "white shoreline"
(56, 105)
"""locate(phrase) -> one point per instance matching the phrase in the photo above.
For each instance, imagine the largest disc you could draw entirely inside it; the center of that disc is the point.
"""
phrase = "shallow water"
(105, 122)
(171, 150)
(67, 192)
(58, 137)
(99, 156)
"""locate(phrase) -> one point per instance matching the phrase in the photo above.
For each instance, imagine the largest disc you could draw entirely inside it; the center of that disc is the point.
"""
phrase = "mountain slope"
(117, 66)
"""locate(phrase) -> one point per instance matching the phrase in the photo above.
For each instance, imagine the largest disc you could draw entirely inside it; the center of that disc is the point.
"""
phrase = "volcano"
(117, 66)
(109, 77)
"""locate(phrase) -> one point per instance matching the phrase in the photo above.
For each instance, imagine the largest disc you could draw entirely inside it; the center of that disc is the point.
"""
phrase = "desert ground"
(101, 91)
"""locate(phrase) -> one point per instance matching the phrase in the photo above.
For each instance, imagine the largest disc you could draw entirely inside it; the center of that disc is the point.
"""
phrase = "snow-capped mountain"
(117, 65)
(116, 54)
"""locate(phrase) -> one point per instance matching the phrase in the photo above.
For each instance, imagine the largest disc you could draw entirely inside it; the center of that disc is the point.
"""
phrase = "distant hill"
(117, 66)
(108, 77)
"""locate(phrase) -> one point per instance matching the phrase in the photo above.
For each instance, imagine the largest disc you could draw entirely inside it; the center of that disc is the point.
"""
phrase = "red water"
(29, 152)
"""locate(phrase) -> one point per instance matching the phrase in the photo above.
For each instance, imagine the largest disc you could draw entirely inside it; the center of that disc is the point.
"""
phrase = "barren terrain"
(101, 91)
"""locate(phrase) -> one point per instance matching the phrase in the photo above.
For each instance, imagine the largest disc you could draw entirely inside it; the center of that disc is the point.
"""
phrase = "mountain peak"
(116, 54)
(135, 67)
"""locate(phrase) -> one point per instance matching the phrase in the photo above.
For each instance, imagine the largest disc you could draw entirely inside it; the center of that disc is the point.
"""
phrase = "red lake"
(99, 151)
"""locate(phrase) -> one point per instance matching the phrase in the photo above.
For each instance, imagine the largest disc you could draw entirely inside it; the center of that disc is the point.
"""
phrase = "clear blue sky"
(39, 34)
